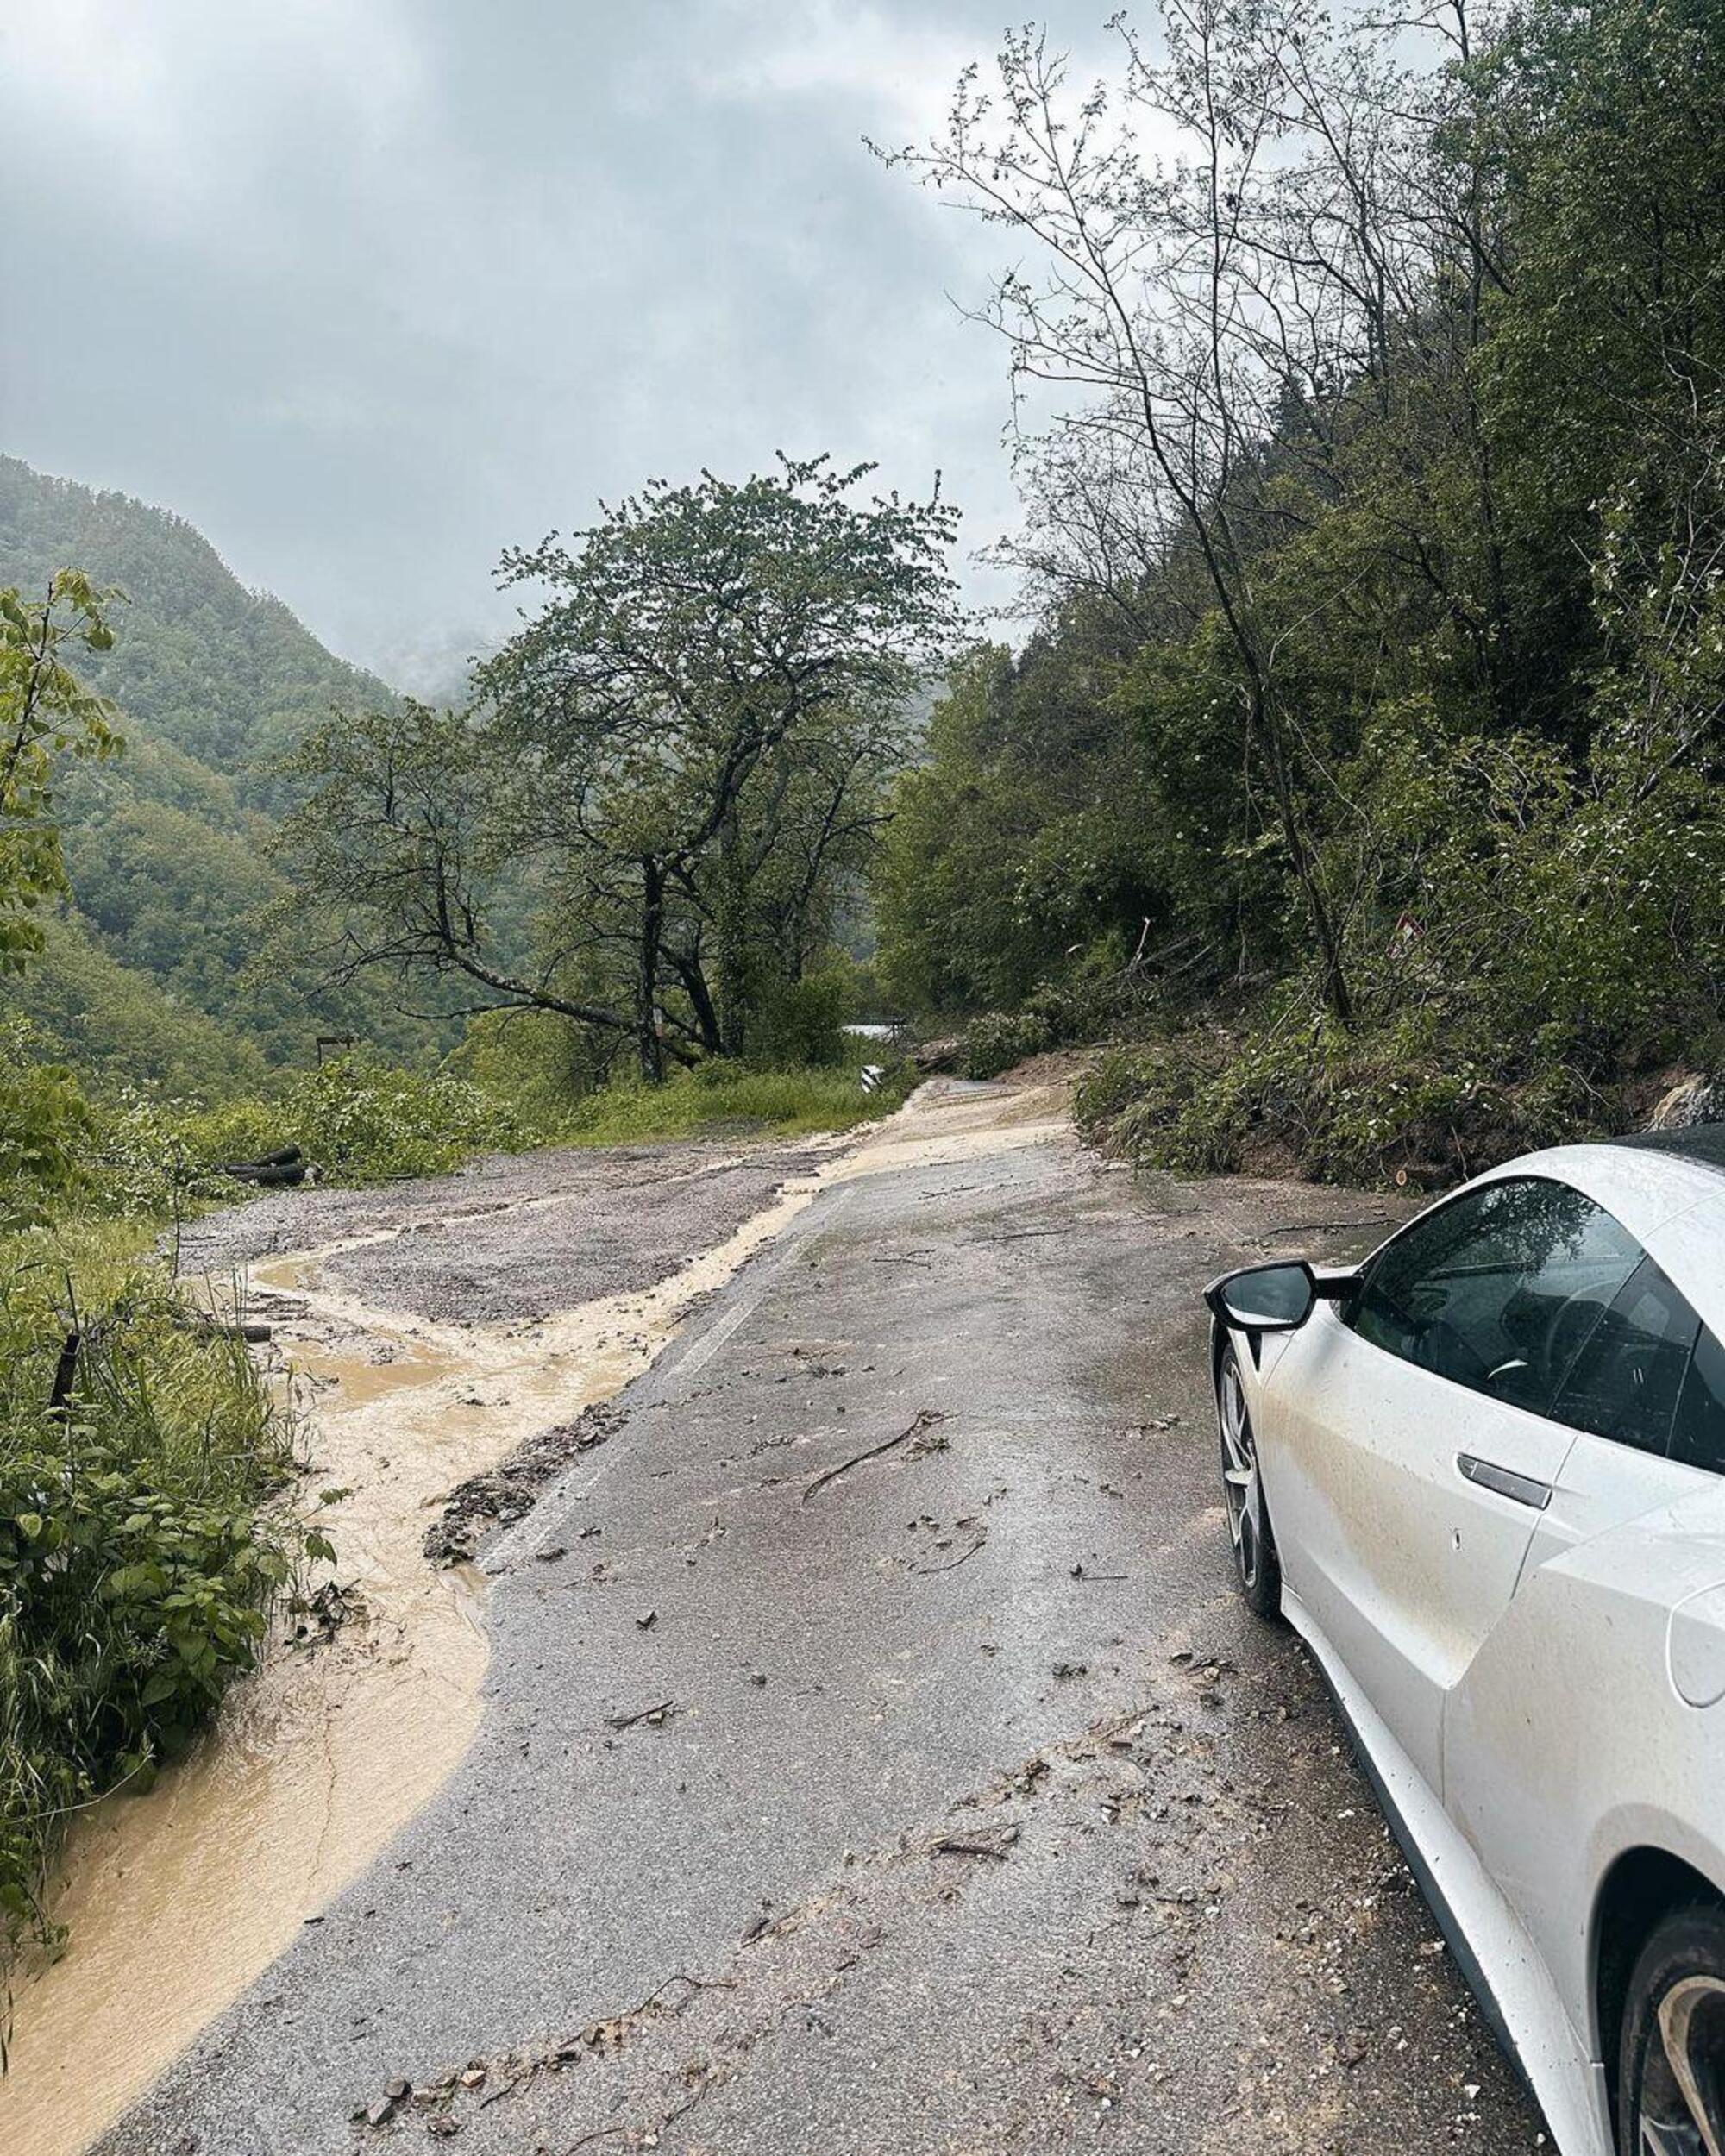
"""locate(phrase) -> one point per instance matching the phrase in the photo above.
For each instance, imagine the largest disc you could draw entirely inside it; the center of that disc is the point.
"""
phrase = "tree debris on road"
(926, 1419)
(981, 1841)
(485, 1504)
(660, 1712)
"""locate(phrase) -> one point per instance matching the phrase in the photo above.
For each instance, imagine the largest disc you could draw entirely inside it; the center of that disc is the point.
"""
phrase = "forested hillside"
(146, 977)
(1366, 766)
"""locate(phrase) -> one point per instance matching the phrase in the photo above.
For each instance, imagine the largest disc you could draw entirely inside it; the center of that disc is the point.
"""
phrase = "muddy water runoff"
(177, 1899)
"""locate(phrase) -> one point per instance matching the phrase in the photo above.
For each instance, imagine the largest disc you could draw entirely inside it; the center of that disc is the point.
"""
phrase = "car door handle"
(1505, 1481)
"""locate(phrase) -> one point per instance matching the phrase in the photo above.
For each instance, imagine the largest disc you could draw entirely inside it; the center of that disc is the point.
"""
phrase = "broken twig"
(661, 1710)
(925, 1420)
(923, 1571)
(989, 1842)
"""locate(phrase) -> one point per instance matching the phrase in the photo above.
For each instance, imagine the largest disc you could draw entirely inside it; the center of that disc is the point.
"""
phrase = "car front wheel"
(1671, 2080)
(1256, 1563)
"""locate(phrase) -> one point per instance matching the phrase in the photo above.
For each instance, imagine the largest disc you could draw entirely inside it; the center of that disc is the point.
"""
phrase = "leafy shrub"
(361, 1120)
(1391, 1106)
(535, 1064)
(44, 1128)
(999, 1039)
(1053, 1015)
(135, 1572)
(800, 1026)
(357, 1121)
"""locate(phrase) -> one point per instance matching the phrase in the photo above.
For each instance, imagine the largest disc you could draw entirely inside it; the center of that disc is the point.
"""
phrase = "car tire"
(1257, 1567)
(1671, 2059)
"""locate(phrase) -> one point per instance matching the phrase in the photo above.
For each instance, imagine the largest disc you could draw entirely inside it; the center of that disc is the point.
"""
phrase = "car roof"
(1642, 1185)
(1669, 1195)
(1701, 1142)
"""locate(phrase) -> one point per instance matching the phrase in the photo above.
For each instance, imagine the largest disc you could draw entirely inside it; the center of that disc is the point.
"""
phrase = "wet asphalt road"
(977, 1816)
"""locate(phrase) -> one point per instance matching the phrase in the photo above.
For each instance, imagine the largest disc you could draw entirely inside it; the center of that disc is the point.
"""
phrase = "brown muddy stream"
(177, 1899)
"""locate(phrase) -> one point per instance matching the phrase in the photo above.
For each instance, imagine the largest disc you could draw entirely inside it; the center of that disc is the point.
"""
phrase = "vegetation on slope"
(137, 1445)
(1367, 763)
(167, 846)
(136, 1563)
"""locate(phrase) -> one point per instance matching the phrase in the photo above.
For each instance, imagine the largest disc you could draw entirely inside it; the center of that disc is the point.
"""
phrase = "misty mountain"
(167, 845)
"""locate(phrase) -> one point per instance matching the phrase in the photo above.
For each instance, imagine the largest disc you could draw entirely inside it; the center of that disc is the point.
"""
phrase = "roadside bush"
(800, 1026)
(44, 1129)
(361, 1120)
(135, 1569)
(1056, 1015)
(717, 1095)
(999, 1039)
(1388, 1107)
(534, 1064)
(356, 1120)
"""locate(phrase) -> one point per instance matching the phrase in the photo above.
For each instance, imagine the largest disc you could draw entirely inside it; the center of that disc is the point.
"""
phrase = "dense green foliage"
(136, 1442)
(1030, 829)
(47, 718)
(1376, 705)
(134, 1573)
(356, 1120)
(650, 823)
(153, 972)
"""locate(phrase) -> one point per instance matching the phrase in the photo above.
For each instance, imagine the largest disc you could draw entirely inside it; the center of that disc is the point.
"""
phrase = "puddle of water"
(177, 1899)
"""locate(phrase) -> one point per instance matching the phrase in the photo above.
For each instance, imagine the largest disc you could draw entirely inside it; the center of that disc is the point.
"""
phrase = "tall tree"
(1179, 314)
(678, 755)
(46, 716)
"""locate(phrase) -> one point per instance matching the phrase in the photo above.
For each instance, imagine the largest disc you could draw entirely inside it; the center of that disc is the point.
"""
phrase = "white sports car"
(1483, 1475)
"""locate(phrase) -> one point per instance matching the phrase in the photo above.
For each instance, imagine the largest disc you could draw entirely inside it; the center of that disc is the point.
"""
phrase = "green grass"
(718, 1097)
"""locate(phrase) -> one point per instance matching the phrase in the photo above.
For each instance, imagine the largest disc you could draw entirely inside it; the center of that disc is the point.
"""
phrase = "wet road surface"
(943, 1801)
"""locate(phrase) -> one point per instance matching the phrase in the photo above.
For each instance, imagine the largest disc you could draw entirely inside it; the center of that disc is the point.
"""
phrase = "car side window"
(1499, 1289)
(1698, 1434)
(1626, 1379)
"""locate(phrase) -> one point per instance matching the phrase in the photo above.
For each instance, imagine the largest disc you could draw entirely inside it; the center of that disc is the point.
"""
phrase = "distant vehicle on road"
(1483, 1475)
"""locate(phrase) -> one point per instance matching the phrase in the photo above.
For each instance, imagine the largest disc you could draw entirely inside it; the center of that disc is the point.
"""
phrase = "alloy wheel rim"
(1683, 2083)
(1240, 1477)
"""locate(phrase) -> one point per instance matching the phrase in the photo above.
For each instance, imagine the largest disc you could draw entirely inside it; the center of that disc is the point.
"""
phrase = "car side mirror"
(1265, 1298)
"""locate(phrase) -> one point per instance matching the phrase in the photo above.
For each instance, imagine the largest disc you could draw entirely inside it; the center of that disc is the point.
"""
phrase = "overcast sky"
(370, 289)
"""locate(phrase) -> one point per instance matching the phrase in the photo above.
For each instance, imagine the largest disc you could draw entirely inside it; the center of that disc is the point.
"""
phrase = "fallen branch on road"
(987, 1841)
(661, 1710)
(609, 2133)
(597, 2035)
(925, 1420)
(923, 1571)
(1012, 1235)
(599, 2133)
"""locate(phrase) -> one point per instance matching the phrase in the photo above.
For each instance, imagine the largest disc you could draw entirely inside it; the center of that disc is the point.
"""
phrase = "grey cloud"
(370, 289)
